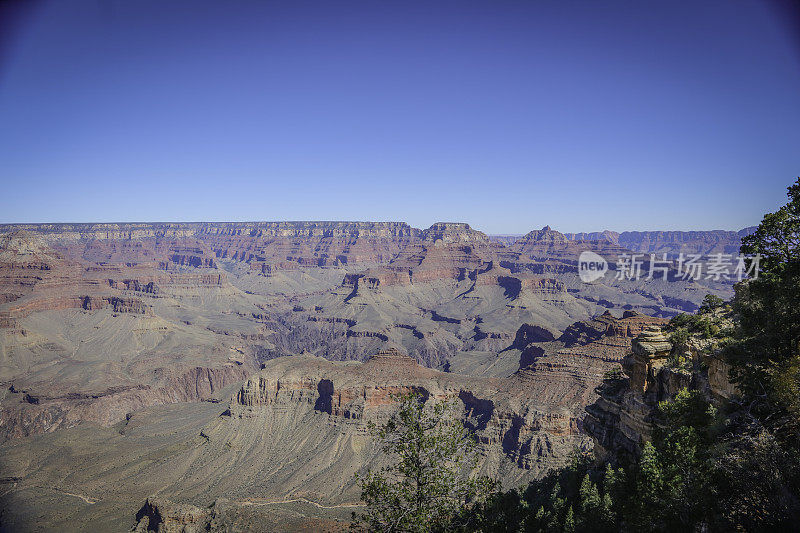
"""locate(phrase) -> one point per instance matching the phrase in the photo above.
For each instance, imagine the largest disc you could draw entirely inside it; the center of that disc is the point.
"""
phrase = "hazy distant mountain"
(671, 242)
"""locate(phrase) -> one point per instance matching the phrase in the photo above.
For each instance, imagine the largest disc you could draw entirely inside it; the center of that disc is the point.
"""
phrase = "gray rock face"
(651, 342)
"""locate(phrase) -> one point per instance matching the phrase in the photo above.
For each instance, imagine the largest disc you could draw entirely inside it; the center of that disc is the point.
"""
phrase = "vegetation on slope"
(431, 482)
(736, 468)
(707, 468)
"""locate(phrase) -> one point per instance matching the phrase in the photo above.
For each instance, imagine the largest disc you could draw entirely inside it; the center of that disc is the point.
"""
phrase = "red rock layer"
(508, 421)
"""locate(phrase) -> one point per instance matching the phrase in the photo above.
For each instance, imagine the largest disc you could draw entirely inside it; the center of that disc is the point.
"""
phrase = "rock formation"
(625, 414)
(622, 418)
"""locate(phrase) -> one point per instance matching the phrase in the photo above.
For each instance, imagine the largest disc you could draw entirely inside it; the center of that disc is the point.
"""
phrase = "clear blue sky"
(508, 115)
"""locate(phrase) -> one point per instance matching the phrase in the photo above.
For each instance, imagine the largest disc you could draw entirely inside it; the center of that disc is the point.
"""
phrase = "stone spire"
(651, 343)
(650, 351)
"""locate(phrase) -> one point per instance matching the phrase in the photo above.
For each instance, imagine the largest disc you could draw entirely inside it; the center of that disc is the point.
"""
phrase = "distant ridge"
(671, 242)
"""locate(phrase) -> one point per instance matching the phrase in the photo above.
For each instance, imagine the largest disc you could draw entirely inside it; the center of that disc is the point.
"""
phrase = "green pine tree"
(431, 481)
(569, 521)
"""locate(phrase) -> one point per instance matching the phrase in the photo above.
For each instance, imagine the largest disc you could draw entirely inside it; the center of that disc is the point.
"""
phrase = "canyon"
(142, 363)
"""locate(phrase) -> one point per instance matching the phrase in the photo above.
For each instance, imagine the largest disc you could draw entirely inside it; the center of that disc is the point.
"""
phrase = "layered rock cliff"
(26, 412)
(520, 434)
(625, 414)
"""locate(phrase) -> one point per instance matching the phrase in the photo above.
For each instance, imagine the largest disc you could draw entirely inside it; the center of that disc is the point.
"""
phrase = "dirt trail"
(258, 501)
(90, 501)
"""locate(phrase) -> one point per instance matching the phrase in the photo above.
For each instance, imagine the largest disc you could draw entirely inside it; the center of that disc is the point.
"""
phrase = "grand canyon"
(225, 373)
(399, 267)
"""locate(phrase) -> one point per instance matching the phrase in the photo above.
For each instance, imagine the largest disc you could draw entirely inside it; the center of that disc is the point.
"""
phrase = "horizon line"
(195, 222)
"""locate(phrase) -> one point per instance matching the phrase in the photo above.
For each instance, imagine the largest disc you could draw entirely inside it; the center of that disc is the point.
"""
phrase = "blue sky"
(508, 115)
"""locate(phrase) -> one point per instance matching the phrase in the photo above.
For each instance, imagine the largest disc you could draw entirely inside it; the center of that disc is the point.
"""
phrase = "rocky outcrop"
(650, 351)
(625, 415)
(119, 305)
(377, 278)
(622, 419)
(164, 516)
(569, 368)
(718, 374)
(194, 257)
(453, 232)
(529, 333)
